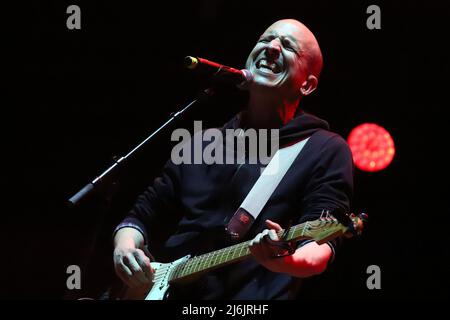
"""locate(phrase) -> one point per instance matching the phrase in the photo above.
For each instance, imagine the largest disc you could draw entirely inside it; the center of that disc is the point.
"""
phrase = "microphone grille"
(191, 62)
(248, 76)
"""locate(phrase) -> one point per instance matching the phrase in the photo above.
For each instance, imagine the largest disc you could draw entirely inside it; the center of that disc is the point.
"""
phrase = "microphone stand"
(100, 181)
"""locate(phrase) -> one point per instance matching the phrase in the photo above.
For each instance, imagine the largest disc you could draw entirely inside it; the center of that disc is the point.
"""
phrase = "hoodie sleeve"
(331, 183)
(157, 207)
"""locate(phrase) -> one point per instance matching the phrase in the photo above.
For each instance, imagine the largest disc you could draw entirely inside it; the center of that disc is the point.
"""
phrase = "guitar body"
(160, 286)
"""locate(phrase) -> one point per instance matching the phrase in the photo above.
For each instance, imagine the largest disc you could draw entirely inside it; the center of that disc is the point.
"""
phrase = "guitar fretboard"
(234, 253)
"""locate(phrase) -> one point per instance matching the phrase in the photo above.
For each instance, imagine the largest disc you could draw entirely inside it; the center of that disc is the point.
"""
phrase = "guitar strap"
(256, 199)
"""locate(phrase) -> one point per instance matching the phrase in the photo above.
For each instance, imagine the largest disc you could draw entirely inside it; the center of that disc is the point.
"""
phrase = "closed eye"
(286, 44)
(289, 46)
(267, 39)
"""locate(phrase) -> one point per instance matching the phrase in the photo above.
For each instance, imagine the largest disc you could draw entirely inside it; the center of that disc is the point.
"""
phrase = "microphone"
(239, 77)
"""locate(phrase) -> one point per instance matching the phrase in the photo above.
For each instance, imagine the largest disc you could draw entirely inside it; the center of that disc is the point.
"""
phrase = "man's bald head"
(309, 47)
(287, 60)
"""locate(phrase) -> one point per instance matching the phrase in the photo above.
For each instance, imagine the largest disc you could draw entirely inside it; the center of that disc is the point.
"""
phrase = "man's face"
(277, 61)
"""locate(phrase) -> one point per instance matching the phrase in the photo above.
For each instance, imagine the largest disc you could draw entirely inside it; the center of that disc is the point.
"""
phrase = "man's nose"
(273, 49)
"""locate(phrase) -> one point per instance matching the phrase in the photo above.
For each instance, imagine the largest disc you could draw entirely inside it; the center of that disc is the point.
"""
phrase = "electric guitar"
(324, 229)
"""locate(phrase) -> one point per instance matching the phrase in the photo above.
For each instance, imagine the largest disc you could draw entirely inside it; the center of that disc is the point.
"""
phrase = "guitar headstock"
(330, 226)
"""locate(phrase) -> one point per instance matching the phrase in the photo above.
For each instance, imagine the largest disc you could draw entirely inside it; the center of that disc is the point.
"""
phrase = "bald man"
(286, 64)
(197, 201)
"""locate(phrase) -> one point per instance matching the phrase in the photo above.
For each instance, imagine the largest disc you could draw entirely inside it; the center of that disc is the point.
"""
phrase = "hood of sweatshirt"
(300, 127)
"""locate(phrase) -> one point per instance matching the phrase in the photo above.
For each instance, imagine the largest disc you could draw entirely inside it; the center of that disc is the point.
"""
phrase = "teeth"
(264, 64)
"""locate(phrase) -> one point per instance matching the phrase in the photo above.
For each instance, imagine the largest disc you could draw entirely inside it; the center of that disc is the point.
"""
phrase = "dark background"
(81, 97)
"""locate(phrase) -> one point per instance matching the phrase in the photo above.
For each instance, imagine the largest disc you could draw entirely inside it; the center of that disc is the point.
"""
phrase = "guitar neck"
(212, 260)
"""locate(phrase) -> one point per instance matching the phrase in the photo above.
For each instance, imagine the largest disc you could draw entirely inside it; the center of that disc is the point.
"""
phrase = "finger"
(130, 262)
(263, 235)
(144, 263)
(273, 225)
(126, 275)
(259, 237)
(124, 269)
(273, 235)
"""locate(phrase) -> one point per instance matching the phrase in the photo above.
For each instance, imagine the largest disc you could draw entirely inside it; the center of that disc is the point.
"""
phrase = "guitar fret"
(175, 272)
(290, 234)
(294, 232)
(215, 260)
(180, 269)
(186, 269)
(225, 254)
(194, 264)
(298, 231)
(246, 250)
(228, 252)
(242, 248)
(216, 255)
(198, 264)
(304, 228)
(191, 265)
(183, 269)
(209, 259)
(202, 263)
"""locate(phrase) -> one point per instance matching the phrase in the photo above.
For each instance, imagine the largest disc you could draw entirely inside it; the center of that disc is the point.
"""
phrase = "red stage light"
(372, 147)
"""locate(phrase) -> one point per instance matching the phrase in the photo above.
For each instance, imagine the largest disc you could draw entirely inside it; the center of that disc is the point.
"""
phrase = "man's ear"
(309, 85)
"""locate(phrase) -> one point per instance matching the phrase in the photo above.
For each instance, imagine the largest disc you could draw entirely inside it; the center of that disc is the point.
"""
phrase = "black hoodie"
(186, 210)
